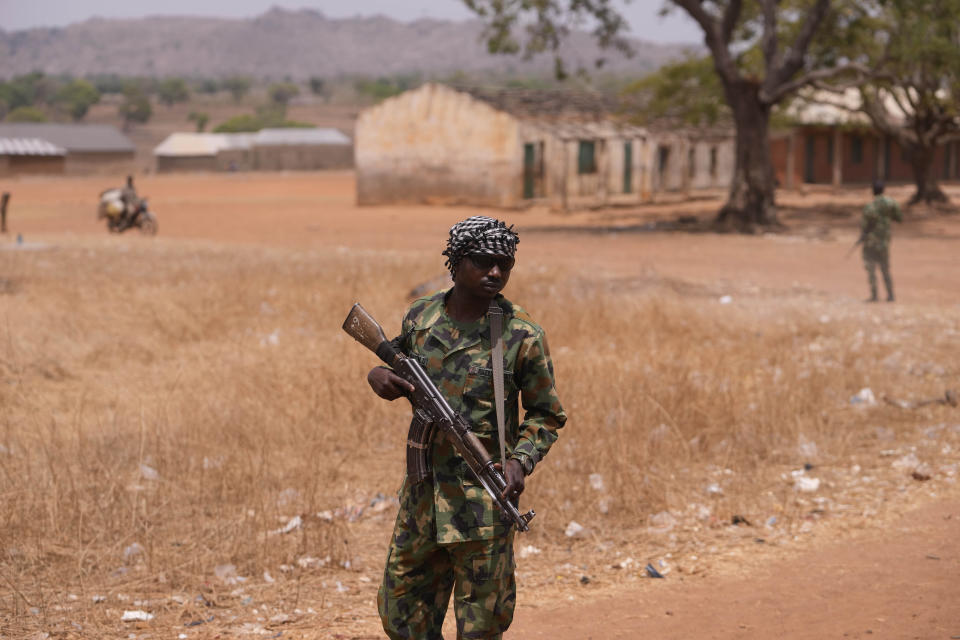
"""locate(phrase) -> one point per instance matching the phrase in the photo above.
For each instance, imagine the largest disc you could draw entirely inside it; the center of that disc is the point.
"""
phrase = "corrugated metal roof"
(298, 136)
(29, 147)
(209, 144)
(194, 144)
(72, 137)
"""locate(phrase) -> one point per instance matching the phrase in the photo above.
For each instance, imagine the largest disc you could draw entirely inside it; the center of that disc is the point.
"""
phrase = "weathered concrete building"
(87, 148)
(294, 149)
(510, 148)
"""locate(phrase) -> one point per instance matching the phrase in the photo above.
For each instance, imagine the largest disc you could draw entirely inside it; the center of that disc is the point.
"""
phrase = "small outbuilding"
(292, 149)
(512, 148)
(25, 156)
(88, 148)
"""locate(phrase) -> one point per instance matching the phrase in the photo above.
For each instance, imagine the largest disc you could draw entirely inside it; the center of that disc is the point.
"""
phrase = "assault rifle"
(863, 237)
(431, 409)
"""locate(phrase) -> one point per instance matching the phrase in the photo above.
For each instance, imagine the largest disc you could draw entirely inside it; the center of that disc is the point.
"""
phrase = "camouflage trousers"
(421, 574)
(873, 258)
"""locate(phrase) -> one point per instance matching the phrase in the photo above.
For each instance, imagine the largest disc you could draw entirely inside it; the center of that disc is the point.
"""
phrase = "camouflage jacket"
(456, 356)
(875, 224)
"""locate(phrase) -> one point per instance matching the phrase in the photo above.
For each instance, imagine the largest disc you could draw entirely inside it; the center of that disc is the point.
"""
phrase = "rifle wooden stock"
(431, 409)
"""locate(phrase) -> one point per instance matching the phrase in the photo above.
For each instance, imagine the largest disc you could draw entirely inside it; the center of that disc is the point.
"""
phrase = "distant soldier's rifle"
(432, 409)
(862, 238)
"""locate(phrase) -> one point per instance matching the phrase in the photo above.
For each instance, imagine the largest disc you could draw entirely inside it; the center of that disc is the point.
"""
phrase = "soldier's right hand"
(388, 385)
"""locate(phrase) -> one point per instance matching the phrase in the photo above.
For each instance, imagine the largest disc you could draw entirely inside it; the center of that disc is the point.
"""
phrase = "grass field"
(186, 431)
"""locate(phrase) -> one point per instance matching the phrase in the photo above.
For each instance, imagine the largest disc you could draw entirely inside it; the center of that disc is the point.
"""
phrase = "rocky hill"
(283, 43)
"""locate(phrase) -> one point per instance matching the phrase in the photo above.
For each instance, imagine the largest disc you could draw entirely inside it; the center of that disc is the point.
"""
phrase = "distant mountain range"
(298, 44)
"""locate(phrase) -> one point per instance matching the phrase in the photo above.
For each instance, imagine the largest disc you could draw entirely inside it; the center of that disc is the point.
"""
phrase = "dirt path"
(900, 583)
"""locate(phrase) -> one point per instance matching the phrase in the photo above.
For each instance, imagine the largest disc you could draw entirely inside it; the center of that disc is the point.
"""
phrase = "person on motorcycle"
(131, 201)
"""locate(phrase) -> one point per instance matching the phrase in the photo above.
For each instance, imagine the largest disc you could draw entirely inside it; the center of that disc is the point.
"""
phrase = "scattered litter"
(148, 473)
(226, 572)
(806, 484)
(662, 522)
(596, 481)
(738, 520)
(528, 550)
(268, 578)
(949, 398)
(294, 524)
(652, 572)
(197, 623)
(864, 398)
(584, 579)
(341, 588)
(714, 489)
(623, 564)
(807, 448)
(908, 462)
(726, 299)
(574, 530)
(137, 615)
(98, 599)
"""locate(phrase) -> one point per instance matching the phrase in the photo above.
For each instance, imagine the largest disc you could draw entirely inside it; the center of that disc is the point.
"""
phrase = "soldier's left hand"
(514, 477)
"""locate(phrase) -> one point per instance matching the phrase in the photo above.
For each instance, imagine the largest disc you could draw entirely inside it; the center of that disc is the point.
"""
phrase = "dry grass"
(165, 407)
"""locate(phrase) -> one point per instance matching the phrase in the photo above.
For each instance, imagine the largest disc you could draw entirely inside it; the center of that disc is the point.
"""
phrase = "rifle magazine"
(419, 439)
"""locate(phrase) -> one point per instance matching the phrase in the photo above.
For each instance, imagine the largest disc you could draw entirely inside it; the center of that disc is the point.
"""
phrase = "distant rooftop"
(548, 103)
(71, 137)
(209, 144)
(29, 147)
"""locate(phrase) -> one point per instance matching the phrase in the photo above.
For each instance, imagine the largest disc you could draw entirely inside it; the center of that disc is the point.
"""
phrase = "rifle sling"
(496, 342)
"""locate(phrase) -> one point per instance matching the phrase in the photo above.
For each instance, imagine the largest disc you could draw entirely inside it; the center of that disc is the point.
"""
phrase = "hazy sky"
(23, 14)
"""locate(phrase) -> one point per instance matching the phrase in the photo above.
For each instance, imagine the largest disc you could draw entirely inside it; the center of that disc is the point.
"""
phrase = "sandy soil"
(899, 581)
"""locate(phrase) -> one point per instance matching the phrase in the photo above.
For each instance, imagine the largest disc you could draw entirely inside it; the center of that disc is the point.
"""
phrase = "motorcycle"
(113, 209)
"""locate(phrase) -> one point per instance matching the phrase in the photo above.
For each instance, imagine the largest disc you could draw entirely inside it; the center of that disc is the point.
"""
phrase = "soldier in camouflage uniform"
(875, 235)
(449, 536)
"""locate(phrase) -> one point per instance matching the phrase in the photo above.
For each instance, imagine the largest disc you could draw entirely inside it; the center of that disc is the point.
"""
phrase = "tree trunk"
(750, 205)
(924, 177)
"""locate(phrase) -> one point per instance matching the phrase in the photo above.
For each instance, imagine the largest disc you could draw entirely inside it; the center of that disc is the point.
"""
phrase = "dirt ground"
(890, 577)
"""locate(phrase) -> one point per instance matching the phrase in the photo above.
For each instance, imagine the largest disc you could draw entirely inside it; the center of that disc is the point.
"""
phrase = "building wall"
(434, 144)
(168, 164)
(91, 162)
(302, 158)
(879, 157)
(31, 165)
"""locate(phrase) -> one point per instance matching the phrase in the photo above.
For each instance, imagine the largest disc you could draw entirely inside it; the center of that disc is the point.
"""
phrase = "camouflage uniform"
(875, 227)
(449, 535)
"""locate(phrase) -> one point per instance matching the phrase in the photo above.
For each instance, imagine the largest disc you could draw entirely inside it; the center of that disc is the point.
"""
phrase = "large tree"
(760, 51)
(915, 46)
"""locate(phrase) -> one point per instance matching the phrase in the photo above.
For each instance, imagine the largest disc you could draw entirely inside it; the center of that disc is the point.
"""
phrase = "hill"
(282, 43)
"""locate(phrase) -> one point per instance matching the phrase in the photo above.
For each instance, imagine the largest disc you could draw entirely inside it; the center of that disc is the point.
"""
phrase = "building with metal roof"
(294, 149)
(87, 148)
(30, 155)
(512, 148)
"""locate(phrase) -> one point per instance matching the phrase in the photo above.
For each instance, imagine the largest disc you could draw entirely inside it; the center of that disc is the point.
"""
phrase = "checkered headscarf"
(479, 234)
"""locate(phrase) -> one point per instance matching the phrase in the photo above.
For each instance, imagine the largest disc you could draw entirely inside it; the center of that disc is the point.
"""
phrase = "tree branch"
(715, 37)
(769, 43)
(813, 77)
(793, 61)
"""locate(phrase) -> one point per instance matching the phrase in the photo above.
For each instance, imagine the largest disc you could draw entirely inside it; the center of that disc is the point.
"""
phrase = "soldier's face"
(484, 276)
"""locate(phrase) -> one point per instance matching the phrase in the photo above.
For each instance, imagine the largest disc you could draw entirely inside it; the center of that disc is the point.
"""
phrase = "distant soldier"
(875, 237)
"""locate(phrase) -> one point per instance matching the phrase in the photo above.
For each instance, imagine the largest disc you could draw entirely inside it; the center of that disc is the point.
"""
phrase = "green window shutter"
(587, 157)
